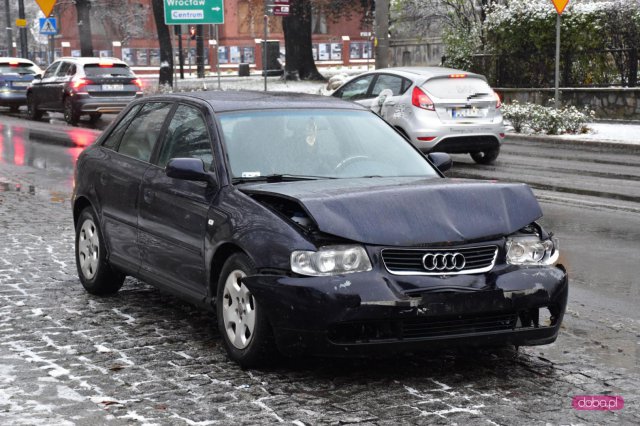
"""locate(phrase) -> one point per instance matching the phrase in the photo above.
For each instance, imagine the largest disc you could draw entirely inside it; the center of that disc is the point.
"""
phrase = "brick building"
(126, 29)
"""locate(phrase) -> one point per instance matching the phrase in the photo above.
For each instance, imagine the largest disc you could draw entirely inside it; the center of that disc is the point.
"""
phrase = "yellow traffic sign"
(21, 23)
(46, 6)
(560, 5)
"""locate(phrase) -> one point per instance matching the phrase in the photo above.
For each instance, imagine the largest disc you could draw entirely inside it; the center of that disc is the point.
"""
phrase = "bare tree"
(125, 19)
(164, 40)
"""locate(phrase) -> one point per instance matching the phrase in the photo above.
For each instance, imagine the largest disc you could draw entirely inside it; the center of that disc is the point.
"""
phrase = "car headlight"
(531, 250)
(330, 260)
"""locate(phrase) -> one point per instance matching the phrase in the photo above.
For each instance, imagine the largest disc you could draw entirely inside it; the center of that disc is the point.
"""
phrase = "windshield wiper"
(283, 177)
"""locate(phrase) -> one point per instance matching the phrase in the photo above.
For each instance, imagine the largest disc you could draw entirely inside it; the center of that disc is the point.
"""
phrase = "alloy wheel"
(88, 249)
(238, 310)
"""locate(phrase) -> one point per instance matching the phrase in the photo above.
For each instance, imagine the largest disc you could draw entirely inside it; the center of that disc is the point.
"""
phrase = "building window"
(319, 22)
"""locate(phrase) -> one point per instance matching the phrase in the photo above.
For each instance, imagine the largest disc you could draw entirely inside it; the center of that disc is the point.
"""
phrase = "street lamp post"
(9, 28)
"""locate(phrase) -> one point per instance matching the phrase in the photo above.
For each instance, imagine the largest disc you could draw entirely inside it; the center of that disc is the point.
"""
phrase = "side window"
(72, 70)
(113, 139)
(51, 70)
(386, 81)
(357, 89)
(64, 68)
(142, 134)
(187, 136)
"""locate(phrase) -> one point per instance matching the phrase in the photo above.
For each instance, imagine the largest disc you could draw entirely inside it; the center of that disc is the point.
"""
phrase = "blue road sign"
(48, 26)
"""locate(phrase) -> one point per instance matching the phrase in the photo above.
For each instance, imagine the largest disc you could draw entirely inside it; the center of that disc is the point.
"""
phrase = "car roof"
(12, 59)
(243, 100)
(427, 72)
(91, 60)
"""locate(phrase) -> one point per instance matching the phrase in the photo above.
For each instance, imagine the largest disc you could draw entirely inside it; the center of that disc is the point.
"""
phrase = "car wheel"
(243, 325)
(94, 117)
(96, 275)
(485, 157)
(32, 110)
(71, 115)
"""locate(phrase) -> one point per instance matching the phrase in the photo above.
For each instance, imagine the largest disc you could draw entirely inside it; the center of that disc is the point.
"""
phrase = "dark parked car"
(83, 86)
(15, 75)
(311, 226)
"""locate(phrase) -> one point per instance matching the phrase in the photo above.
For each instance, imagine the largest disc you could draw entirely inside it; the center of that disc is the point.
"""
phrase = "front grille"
(422, 328)
(410, 261)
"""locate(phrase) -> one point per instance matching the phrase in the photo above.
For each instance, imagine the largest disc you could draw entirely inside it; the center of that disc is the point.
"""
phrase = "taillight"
(498, 100)
(79, 84)
(421, 100)
(138, 83)
(426, 138)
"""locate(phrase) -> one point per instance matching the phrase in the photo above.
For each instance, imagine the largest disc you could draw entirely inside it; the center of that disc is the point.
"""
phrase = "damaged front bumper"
(371, 312)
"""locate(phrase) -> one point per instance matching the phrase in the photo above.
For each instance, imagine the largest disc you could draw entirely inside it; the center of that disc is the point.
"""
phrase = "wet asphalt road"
(146, 357)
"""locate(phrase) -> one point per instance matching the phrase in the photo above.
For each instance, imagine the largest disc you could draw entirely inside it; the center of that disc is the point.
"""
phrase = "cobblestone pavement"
(144, 357)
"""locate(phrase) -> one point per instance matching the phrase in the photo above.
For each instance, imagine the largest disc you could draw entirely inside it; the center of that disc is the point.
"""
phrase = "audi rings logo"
(443, 261)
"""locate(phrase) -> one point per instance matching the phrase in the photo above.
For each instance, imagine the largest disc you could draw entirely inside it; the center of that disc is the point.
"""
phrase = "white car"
(437, 109)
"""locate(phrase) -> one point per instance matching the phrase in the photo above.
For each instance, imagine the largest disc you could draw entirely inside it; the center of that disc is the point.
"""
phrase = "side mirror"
(188, 169)
(441, 160)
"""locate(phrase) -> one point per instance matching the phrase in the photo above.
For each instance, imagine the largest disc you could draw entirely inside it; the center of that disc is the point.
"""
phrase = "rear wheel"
(485, 157)
(71, 115)
(32, 108)
(243, 325)
(96, 275)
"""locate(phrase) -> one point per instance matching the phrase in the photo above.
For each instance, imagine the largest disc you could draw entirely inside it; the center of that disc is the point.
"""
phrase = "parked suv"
(15, 76)
(77, 86)
(437, 109)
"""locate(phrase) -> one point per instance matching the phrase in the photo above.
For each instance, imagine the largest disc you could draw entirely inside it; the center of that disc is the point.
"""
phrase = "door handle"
(148, 195)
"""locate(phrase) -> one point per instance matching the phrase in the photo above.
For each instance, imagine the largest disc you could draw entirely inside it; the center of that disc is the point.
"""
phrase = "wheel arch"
(220, 256)
(80, 204)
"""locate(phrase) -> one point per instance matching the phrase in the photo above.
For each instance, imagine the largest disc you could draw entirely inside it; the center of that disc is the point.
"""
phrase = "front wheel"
(96, 275)
(485, 157)
(243, 325)
(71, 115)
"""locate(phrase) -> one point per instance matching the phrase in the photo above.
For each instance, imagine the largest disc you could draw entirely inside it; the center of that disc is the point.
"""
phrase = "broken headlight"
(330, 260)
(531, 250)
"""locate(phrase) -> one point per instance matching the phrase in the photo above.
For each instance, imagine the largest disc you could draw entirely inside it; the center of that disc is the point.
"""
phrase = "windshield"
(17, 68)
(317, 143)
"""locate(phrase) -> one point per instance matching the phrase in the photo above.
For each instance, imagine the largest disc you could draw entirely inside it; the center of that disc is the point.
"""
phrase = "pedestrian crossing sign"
(48, 26)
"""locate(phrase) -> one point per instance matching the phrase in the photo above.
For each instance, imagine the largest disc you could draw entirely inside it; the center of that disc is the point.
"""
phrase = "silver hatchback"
(437, 109)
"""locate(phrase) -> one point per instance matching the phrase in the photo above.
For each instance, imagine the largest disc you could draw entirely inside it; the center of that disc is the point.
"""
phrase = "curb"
(555, 140)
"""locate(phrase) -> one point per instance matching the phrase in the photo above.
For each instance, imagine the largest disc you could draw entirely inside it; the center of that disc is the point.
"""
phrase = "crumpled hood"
(410, 211)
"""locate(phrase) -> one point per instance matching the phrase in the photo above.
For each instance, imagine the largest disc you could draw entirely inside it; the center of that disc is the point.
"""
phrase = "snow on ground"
(611, 132)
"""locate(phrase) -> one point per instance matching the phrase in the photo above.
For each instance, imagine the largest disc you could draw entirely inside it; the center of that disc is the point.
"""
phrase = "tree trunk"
(83, 11)
(297, 41)
(164, 39)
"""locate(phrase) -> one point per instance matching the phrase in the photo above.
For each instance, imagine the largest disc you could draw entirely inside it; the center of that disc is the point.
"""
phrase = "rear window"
(17, 68)
(96, 70)
(454, 88)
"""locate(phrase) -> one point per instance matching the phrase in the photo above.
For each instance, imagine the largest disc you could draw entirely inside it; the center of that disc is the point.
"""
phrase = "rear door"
(173, 212)
(55, 90)
(130, 145)
(461, 98)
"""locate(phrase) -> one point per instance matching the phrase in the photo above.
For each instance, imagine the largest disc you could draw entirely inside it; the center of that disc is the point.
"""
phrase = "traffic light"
(192, 33)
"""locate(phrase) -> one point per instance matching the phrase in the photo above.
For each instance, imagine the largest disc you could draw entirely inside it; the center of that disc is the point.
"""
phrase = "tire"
(71, 115)
(96, 275)
(32, 109)
(243, 325)
(485, 157)
(94, 117)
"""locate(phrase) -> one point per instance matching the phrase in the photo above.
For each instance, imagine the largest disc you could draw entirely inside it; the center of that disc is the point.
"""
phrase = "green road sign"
(193, 12)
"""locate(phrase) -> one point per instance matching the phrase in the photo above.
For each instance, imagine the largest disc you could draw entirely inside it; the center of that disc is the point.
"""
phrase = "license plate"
(20, 83)
(468, 112)
(115, 87)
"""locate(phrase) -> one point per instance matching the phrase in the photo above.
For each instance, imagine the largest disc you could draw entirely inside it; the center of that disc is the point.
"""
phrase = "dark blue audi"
(311, 227)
